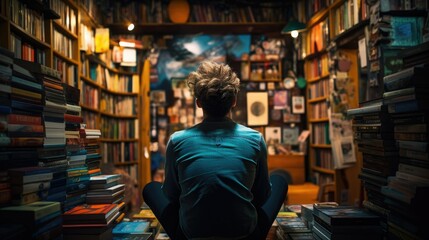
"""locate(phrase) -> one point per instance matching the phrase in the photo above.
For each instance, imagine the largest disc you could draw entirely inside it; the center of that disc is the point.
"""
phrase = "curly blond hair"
(216, 86)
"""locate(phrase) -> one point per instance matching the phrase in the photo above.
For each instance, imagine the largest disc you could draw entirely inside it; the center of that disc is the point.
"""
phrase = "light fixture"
(293, 28)
(130, 26)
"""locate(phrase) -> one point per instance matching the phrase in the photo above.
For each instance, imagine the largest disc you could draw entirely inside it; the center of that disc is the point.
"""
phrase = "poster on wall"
(257, 108)
(184, 53)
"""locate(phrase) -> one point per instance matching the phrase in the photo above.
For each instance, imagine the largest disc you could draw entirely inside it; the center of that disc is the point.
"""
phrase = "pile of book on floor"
(345, 222)
(291, 226)
(90, 221)
(107, 189)
(407, 191)
(37, 220)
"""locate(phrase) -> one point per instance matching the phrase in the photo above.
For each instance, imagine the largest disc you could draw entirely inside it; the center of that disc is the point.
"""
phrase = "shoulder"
(249, 132)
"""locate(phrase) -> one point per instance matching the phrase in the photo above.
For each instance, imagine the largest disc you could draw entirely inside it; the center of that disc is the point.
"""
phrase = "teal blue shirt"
(217, 171)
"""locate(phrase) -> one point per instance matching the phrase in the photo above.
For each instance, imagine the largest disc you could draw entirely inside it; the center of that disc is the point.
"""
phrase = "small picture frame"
(273, 135)
(298, 105)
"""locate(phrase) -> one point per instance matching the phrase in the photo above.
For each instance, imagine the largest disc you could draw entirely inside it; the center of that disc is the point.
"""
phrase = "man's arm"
(171, 185)
(261, 187)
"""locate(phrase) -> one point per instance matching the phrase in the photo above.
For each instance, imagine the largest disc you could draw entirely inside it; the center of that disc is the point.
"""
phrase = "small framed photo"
(298, 105)
(273, 135)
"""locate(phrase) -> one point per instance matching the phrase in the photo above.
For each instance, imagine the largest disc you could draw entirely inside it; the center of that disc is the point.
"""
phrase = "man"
(216, 177)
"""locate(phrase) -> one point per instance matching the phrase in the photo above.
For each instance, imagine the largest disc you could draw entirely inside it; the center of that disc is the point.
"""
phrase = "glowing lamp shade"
(293, 28)
(130, 26)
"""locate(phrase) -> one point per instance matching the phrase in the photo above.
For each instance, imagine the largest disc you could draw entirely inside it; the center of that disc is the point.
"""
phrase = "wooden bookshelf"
(328, 27)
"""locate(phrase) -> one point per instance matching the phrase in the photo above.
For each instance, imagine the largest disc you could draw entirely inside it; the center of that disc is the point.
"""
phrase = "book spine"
(24, 119)
(414, 145)
(414, 154)
(416, 128)
(412, 178)
(31, 178)
(413, 170)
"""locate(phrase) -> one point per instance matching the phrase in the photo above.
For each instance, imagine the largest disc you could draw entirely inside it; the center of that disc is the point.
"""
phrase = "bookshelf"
(56, 35)
(333, 31)
(234, 17)
(112, 100)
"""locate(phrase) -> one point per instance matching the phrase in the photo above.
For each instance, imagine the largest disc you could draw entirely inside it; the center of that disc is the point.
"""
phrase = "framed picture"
(280, 99)
(157, 97)
(273, 135)
(257, 108)
(298, 105)
(290, 135)
(289, 117)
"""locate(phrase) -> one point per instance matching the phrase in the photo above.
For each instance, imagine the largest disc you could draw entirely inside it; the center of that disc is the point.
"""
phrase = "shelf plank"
(320, 145)
(118, 116)
(323, 170)
(318, 120)
(112, 140)
(318, 78)
(119, 93)
(318, 99)
(267, 28)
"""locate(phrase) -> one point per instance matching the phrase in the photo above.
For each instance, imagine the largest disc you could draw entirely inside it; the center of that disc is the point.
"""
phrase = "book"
(345, 215)
(414, 170)
(413, 76)
(31, 187)
(105, 179)
(32, 212)
(130, 228)
(413, 145)
(29, 174)
(93, 213)
(37, 68)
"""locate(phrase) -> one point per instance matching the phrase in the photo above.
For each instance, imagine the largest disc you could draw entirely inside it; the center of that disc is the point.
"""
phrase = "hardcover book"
(130, 227)
(33, 211)
(95, 213)
(345, 215)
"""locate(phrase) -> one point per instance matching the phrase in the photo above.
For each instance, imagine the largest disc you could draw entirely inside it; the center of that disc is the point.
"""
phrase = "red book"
(91, 214)
(72, 118)
(24, 119)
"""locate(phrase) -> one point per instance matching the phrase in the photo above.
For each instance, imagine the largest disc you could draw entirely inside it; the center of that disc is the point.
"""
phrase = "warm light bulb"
(130, 27)
(294, 33)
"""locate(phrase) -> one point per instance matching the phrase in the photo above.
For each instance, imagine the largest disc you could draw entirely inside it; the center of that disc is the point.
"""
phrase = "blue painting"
(183, 54)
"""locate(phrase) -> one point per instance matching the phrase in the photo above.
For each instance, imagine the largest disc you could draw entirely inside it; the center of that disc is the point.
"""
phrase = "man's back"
(217, 163)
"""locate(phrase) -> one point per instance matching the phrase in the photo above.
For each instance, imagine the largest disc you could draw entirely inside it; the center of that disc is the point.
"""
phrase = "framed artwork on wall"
(257, 108)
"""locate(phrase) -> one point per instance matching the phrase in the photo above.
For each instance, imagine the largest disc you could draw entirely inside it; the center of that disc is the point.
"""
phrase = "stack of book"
(345, 222)
(40, 220)
(52, 155)
(90, 221)
(291, 226)
(407, 192)
(29, 184)
(77, 171)
(21, 126)
(90, 142)
(373, 133)
(105, 189)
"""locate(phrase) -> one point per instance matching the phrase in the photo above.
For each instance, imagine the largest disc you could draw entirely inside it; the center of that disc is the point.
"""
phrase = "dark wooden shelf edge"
(204, 28)
(349, 38)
